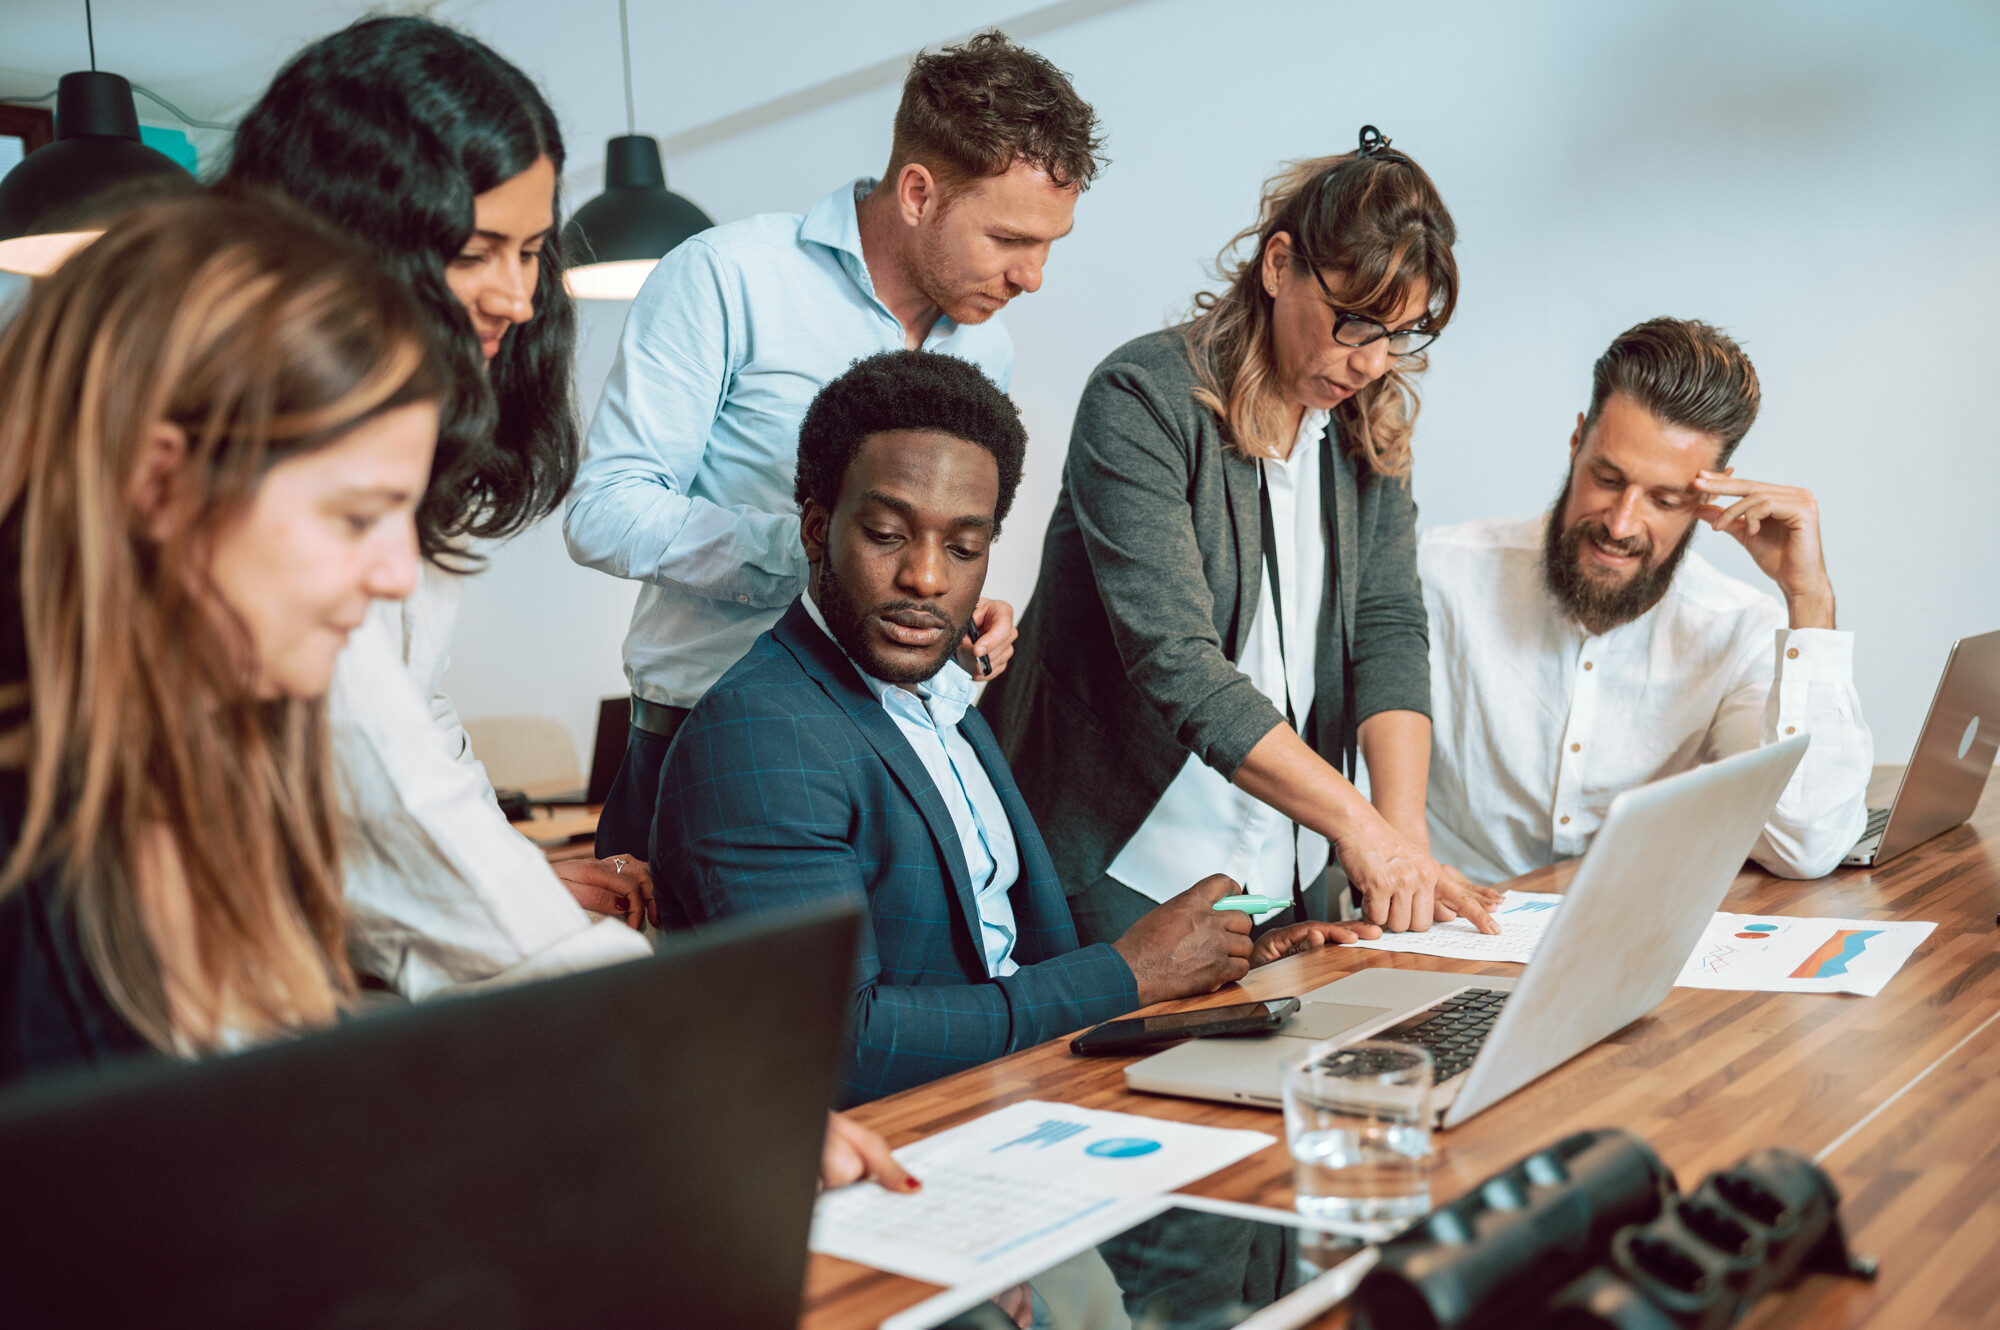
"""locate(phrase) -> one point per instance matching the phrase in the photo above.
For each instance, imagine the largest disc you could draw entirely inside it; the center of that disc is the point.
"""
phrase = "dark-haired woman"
(1228, 606)
(445, 159)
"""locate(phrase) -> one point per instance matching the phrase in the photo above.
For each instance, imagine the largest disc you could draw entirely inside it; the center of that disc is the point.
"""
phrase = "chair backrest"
(533, 754)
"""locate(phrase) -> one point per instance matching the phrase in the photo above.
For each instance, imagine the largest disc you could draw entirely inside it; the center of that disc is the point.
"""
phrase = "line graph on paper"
(1775, 953)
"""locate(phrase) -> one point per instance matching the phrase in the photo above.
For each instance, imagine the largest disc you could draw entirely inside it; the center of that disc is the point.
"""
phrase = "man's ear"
(1576, 437)
(916, 193)
(162, 453)
(814, 522)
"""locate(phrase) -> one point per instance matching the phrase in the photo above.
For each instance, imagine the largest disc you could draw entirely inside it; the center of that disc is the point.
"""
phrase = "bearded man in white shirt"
(1587, 651)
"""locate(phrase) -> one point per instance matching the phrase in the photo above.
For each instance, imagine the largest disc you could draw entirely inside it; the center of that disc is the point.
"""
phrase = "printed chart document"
(1024, 1186)
(1523, 917)
(1777, 954)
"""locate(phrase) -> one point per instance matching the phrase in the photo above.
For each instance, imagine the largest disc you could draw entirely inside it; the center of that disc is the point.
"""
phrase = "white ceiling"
(691, 64)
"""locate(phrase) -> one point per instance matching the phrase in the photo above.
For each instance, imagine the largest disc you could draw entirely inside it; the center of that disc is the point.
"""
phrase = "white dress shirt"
(1536, 724)
(928, 715)
(1202, 819)
(441, 891)
(687, 482)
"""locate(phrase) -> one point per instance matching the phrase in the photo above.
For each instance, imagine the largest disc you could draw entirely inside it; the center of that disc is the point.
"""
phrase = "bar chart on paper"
(1775, 953)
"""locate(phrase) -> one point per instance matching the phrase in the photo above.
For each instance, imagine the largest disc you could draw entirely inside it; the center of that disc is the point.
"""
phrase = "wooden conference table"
(1901, 1092)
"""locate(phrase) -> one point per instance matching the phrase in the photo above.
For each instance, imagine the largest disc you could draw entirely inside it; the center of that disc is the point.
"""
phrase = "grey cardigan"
(1150, 575)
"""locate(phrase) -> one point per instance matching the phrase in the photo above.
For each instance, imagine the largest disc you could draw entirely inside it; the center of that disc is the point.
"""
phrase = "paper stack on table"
(1024, 1186)
(1776, 954)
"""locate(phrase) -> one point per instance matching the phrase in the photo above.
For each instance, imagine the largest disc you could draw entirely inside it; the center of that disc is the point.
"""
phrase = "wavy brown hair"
(147, 755)
(1376, 227)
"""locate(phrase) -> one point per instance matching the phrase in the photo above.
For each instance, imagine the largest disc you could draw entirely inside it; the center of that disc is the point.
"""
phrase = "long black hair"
(388, 129)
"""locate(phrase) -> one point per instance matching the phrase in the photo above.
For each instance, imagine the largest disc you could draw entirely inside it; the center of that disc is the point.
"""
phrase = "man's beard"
(844, 619)
(1596, 606)
(939, 279)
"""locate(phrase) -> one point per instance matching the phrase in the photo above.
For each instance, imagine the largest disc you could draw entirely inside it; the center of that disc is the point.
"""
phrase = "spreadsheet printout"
(1029, 1183)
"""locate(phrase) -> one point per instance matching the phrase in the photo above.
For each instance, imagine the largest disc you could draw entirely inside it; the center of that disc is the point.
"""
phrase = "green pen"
(1251, 904)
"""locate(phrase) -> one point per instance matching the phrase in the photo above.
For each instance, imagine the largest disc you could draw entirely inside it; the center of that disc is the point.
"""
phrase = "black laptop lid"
(635, 1145)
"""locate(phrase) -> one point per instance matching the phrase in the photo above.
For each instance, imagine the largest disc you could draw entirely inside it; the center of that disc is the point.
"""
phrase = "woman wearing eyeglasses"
(1228, 608)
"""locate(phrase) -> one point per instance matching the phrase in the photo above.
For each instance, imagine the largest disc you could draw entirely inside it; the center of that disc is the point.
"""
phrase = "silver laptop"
(1655, 874)
(1947, 773)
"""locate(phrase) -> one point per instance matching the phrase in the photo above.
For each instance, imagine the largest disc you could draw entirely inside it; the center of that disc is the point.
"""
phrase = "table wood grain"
(1901, 1092)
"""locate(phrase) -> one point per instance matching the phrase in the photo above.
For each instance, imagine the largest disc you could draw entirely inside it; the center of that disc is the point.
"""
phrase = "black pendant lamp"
(614, 241)
(95, 165)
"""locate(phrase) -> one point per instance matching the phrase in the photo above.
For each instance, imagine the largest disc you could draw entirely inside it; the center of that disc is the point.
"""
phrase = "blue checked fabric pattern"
(789, 784)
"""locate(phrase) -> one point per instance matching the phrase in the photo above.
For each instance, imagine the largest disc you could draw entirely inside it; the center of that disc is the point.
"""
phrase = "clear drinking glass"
(1358, 1120)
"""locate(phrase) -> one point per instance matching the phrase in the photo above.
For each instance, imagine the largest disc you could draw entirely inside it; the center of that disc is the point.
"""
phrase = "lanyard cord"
(1269, 530)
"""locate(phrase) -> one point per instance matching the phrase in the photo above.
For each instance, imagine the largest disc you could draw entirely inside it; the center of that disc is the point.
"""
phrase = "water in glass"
(1358, 1122)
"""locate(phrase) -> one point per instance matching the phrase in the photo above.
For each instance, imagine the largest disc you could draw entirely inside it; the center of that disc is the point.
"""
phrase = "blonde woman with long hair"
(1228, 609)
(216, 423)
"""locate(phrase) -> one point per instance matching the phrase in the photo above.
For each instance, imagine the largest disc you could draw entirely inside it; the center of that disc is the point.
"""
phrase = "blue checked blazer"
(789, 784)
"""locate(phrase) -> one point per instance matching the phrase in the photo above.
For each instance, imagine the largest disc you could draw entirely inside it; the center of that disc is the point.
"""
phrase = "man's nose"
(1026, 273)
(924, 571)
(1622, 522)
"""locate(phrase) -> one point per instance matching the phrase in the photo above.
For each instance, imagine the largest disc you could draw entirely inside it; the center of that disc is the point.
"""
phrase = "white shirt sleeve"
(441, 892)
(1806, 688)
(632, 512)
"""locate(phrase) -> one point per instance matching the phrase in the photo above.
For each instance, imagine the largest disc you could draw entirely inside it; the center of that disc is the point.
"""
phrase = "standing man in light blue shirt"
(687, 482)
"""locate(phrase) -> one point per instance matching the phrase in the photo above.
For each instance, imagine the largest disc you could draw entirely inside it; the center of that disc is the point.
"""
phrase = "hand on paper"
(1405, 890)
(852, 1152)
(612, 886)
(1282, 942)
(1186, 946)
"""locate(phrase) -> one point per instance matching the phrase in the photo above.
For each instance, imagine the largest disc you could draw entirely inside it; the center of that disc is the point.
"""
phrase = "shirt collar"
(835, 222)
(946, 695)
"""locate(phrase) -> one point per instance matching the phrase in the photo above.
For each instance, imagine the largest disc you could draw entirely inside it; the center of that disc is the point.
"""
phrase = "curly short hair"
(1685, 372)
(973, 110)
(913, 390)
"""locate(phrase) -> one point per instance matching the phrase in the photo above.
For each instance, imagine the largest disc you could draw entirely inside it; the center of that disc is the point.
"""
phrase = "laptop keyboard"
(1453, 1030)
(1878, 818)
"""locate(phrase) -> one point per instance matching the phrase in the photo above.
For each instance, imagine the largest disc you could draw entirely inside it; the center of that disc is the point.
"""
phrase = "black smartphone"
(1129, 1036)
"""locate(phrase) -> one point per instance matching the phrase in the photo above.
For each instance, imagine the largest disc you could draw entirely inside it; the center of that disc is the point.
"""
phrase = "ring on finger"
(618, 865)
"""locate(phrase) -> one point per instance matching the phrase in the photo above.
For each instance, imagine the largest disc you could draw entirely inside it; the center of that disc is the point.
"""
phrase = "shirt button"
(742, 599)
(1792, 653)
(1576, 748)
(1586, 665)
(1791, 729)
(1565, 819)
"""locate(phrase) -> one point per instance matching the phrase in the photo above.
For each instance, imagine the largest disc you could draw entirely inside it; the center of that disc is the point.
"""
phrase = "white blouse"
(442, 893)
(1204, 824)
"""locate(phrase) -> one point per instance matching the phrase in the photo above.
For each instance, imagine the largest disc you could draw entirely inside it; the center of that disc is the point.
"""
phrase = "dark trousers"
(1107, 907)
(626, 824)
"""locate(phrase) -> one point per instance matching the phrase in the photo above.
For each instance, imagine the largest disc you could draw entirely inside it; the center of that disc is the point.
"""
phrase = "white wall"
(1821, 179)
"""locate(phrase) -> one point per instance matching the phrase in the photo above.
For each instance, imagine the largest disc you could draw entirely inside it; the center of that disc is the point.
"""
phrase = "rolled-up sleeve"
(1128, 472)
(633, 512)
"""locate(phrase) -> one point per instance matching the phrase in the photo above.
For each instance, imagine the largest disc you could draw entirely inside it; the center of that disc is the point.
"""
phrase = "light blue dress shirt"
(928, 718)
(687, 480)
